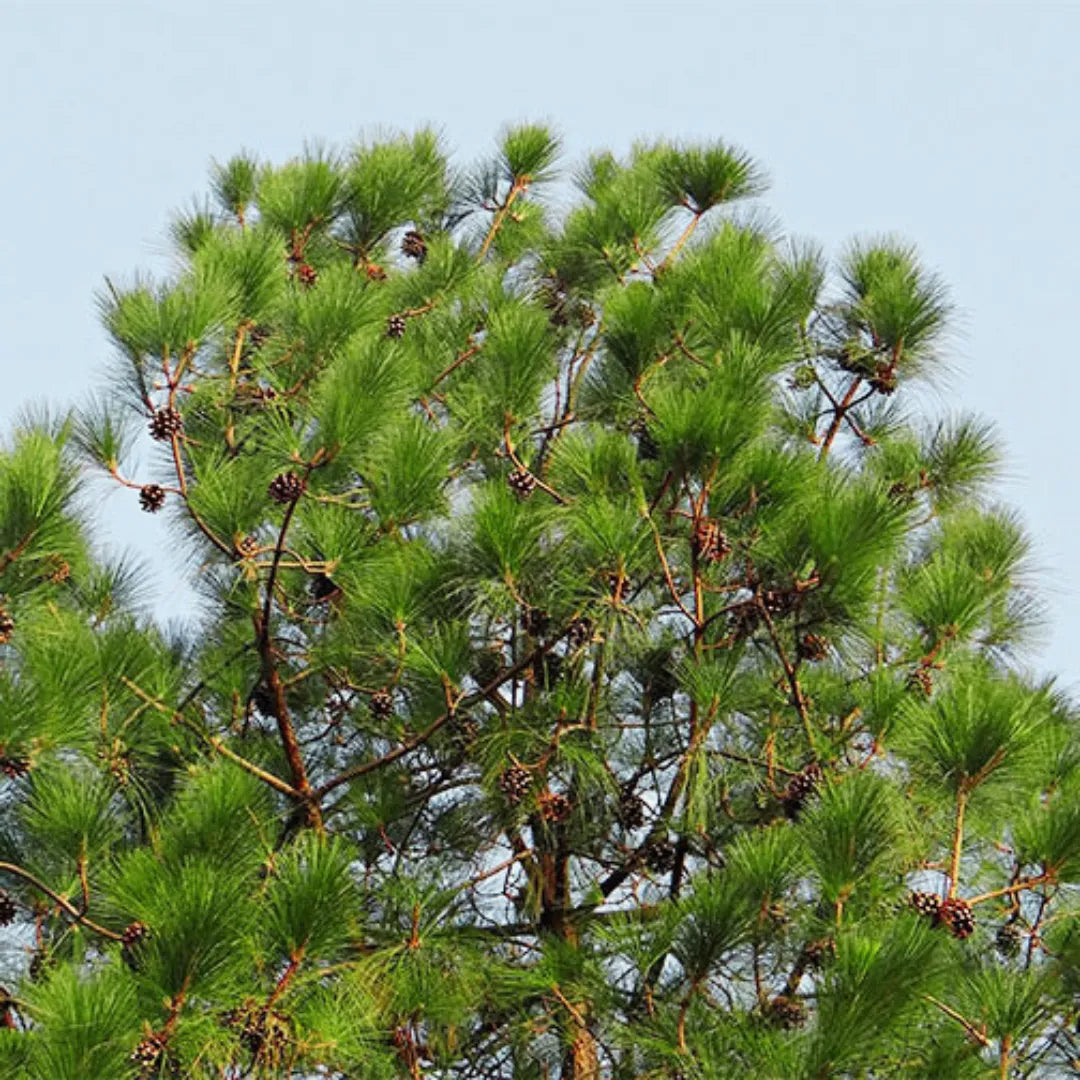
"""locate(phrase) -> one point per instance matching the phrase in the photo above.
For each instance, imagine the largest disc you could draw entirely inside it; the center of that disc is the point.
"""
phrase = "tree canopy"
(605, 663)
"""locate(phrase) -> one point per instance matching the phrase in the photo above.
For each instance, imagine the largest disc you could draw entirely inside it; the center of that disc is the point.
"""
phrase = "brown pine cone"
(151, 498)
(286, 488)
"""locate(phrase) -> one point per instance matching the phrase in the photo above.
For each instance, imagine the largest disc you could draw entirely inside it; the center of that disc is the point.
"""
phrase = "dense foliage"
(604, 665)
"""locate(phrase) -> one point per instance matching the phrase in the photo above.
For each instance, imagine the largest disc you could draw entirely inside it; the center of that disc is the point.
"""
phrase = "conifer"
(605, 664)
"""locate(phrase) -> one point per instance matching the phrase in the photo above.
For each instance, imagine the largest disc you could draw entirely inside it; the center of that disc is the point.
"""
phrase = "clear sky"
(953, 124)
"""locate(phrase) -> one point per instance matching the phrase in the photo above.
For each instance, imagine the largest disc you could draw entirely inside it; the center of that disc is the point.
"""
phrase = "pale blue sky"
(953, 124)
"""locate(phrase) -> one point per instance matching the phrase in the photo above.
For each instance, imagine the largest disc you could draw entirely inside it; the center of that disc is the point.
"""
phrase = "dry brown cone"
(814, 648)
(921, 680)
(247, 547)
(413, 246)
(514, 782)
(522, 483)
(709, 542)
(788, 1013)
(927, 904)
(957, 916)
(554, 807)
(800, 788)
(151, 498)
(165, 423)
(286, 487)
(381, 704)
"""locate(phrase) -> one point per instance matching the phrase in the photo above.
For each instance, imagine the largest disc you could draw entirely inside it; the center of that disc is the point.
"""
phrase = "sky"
(951, 124)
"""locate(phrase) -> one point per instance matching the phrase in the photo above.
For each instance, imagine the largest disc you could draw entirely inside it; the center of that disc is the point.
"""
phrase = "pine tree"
(604, 668)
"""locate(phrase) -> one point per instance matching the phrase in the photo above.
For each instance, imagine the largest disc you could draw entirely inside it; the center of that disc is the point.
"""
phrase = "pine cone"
(631, 809)
(151, 498)
(413, 246)
(819, 953)
(263, 700)
(884, 378)
(745, 618)
(247, 547)
(286, 488)
(535, 622)
(814, 647)
(619, 584)
(395, 326)
(925, 903)
(8, 908)
(522, 483)
(7, 626)
(800, 788)
(259, 335)
(165, 423)
(921, 680)
(660, 855)
(709, 543)
(957, 916)
(40, 963)
(779, 602)
(381, 704)
(135, 933)
(1008, 939)
(151, 1057)
(322, 588)
(133, 937)
(514, 783)
(13, 767)
(307, 275)
(554, 807)
(788, 1013)
(579, 632)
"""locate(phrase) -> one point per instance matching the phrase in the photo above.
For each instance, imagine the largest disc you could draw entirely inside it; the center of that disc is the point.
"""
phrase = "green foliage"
(595, 644)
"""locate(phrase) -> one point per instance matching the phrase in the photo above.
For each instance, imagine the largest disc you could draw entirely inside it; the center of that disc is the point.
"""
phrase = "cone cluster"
(957, 917)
